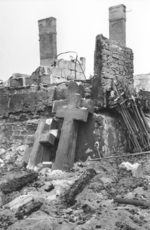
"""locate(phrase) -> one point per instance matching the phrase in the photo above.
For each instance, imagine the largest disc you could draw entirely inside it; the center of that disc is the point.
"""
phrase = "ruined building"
(25, 100)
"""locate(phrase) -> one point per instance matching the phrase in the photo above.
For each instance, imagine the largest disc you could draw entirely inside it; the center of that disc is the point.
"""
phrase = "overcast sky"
(78, 23)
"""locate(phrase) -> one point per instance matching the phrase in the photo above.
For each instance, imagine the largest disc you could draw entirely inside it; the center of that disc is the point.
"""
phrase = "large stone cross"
(73, 109)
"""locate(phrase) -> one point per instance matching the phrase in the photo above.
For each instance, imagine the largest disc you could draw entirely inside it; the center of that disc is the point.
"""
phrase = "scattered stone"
(48, 187)
(136, 168)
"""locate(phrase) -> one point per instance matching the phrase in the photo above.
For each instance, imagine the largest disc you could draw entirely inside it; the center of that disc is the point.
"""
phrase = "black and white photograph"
(74, 115)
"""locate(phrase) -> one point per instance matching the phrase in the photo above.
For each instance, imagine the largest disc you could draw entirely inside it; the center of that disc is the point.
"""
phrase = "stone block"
(106, 52)
(63, 64)
(108, 76)
(66, 73)
(19, 80)
(46, 80)
(80, 76)
(30, 139)
(71, 76)
(72, 65)
(56, 72)
(16, 82)
(78, 68)
(76, 75)
(105, 69)
(115, 56)
(83, 63)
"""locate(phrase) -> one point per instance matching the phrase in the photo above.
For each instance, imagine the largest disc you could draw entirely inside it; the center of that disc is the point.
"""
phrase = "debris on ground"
(83, 198)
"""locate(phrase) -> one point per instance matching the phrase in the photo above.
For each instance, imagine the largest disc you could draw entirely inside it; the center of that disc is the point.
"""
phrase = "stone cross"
(73, 109)
(44, 136)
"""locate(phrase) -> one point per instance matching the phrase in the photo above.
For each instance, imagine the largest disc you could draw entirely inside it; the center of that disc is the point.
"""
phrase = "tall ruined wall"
(112, 63)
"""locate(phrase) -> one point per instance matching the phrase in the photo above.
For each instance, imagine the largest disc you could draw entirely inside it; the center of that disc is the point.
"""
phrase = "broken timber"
(13, 182)
(77, 187)
(44, 136)
(72, 111)
(132, 202)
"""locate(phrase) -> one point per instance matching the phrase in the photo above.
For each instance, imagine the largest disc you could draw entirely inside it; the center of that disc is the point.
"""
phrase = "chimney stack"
(48, 40)
(117, 24)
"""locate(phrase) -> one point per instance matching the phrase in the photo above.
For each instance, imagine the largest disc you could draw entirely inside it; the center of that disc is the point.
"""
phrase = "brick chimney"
(48, 40)
(117, 24)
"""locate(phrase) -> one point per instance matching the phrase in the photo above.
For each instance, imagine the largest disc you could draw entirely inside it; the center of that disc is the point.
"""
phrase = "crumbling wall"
(22, 108)
(62, 72)
(15, 133)
(25, 103)
(112, 63)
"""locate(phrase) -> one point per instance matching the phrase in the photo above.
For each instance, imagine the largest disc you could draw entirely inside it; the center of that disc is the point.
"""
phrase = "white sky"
(78, 23)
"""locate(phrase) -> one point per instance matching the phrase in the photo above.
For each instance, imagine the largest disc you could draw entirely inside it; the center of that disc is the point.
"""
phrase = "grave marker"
(72, 111)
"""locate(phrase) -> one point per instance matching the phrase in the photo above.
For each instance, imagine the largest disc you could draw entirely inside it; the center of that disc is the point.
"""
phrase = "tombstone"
(72, 110)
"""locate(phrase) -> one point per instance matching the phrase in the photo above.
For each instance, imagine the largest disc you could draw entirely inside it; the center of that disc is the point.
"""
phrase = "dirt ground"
(94, 207)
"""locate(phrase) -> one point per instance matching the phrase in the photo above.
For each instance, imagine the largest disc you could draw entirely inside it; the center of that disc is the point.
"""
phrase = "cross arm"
(57, 104)
(72, 113)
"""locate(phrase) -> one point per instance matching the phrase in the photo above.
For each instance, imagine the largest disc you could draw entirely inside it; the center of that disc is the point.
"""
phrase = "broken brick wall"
(22, 108)
(112, 63)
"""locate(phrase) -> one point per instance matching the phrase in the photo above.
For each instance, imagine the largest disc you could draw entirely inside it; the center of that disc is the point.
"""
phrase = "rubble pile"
(86, 197)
